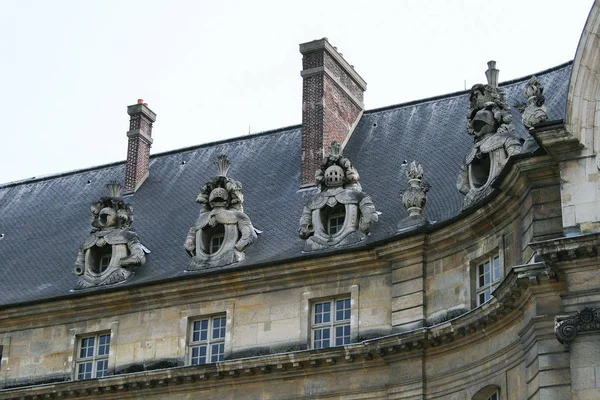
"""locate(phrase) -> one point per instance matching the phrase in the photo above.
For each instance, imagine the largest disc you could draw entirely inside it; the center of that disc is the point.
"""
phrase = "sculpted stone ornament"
(490, 122)
(340, 214)
(567, 328)
(112, 249)
(414, 198)
(222, 231)
(534, 111)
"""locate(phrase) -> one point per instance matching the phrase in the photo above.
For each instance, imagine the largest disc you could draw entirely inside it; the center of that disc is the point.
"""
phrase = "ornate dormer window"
(112, 249)
(340, 214)
(490, 123)
(222, 231)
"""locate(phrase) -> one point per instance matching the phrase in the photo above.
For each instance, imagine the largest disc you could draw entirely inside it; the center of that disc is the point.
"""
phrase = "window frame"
(495, 273)
(337, 214)
(210, 340)
(333, 324)
(95, 357)
(326, 292)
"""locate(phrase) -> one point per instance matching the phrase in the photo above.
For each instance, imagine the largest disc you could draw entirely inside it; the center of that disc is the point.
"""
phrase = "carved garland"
(567, 328)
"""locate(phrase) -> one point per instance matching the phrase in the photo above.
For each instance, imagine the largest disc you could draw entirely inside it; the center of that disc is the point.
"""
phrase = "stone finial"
(114, 189)
(339, 214)
(534, 111)
(492, 74)
(222, 165)
(112, 249)
(414, 198)
(222, 231)
(567, 328)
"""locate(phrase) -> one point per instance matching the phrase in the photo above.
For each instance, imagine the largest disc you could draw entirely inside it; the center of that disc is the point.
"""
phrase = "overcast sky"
(213, 70)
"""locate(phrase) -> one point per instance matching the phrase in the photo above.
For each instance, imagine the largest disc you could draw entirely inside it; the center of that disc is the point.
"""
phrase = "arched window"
(491, 392)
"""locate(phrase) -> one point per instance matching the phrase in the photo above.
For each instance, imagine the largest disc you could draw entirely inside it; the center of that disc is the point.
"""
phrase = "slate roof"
(45, 220)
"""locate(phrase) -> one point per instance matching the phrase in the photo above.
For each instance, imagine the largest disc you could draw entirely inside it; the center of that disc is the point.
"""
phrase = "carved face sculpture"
(479, 97)
(107, 218)
(334, 176)
(483, 122)
(219, 198)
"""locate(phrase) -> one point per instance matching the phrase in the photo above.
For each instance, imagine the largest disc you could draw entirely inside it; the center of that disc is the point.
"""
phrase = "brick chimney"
(138, 148)
(332, 103)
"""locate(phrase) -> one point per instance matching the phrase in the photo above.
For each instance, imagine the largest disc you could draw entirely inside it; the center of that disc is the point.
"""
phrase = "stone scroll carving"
(222, 231)
(340, 214)
(415, 197)
(567, 328)
(534, 111)
(112, 250)
(490, 122)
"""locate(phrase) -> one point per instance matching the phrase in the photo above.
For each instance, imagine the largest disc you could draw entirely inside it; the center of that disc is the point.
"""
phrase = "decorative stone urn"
(414, 198)
(340, 214)
(490, 122)
(534, 111)
(112, 249)
(222, 231)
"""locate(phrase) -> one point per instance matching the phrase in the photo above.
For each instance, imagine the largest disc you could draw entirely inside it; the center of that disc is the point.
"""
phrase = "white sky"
(211, 69)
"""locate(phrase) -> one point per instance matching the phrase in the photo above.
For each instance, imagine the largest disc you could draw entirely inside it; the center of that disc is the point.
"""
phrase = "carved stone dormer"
(112, 249)
(414, 198)
(534, 111)
(490, 122)
(340, 214)
(222, 231)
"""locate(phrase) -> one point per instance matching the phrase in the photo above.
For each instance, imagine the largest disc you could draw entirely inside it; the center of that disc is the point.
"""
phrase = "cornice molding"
(508, 298)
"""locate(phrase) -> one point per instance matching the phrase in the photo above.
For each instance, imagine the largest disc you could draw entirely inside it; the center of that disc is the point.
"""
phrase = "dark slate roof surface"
(45, 220)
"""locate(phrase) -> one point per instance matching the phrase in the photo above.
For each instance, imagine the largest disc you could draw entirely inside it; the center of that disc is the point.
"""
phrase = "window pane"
(198, 355)
(84, 370)
(218, 331)
(321, 338)
(481, 298)
(103, 345)
(217, 352)
(496, 261)
(101, 368)
(342, 310)
(87, 347)
(326, 312)
(342, 335)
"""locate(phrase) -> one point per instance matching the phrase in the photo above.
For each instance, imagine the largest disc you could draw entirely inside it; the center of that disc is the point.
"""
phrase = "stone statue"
(490, 122)
(534, 111)
(415, 197)
(222, 231)
(112, 249)
(340, 214)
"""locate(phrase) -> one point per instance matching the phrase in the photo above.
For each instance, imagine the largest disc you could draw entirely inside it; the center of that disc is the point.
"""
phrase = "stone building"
(406, 252)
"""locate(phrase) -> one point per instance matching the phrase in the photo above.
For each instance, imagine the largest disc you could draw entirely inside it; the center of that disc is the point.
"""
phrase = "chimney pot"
(146, 104)
(140, 101)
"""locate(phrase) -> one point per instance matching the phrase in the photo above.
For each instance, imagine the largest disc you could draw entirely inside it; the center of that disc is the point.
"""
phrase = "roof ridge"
(164, 153)
(461, 92)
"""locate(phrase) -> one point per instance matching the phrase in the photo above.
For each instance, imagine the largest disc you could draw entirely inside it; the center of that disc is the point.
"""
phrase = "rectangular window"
(335, 221)
(489, 274)
(92, 356)
(331, 323)
(207, 340)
